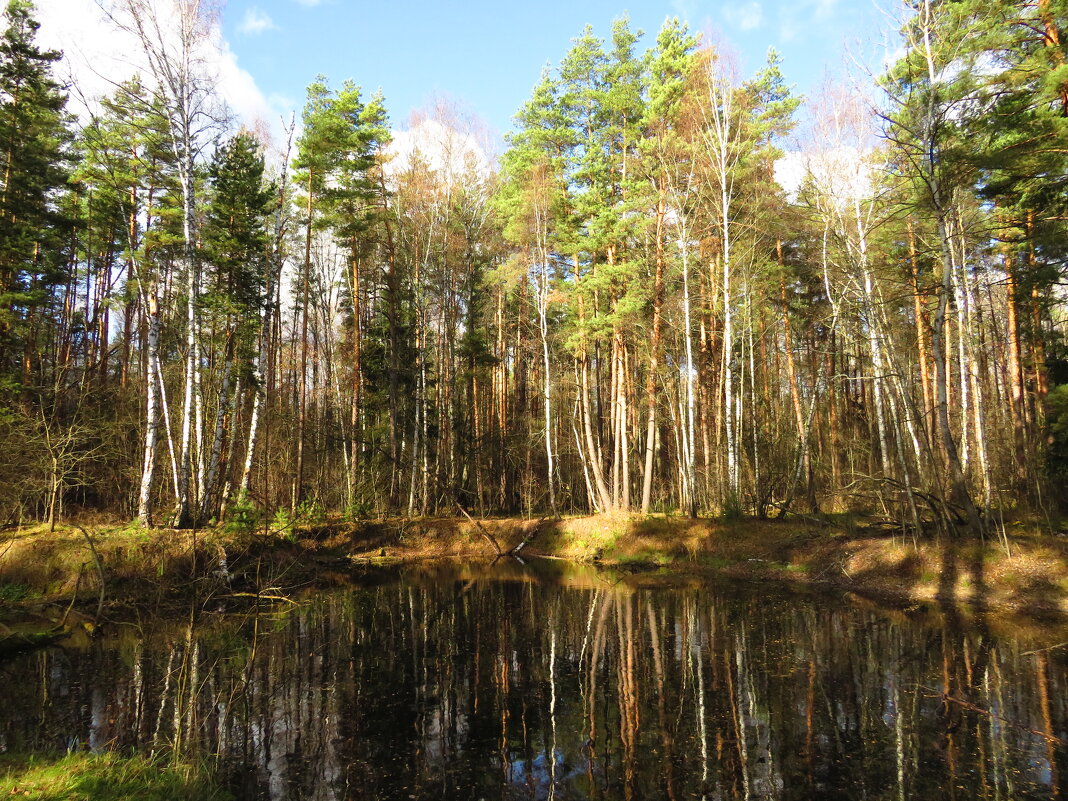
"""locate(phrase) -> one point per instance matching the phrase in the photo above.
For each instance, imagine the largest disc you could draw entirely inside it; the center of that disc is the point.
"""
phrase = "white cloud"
(686, 9)
(256, 21)
(824, 8)
(788, 30)
(90, 46)
(442, 147)
(843, 173)
(790, 171)
(892, 55)
(746, 16)
(98, 56)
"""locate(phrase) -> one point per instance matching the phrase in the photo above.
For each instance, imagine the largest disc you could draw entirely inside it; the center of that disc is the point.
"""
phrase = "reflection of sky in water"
(538, 773)
(438, 687)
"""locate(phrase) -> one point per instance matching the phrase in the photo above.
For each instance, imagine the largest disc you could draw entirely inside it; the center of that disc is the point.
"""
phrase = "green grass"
(642, 557)
(104, 777)
(14, 592)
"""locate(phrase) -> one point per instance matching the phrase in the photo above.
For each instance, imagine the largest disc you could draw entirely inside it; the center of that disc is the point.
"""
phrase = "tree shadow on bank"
(952, 571)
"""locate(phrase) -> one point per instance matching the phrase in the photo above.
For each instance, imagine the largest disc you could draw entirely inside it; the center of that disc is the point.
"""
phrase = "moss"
(105, 776)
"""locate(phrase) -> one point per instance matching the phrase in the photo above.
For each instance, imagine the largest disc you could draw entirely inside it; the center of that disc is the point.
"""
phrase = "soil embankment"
(51, 581)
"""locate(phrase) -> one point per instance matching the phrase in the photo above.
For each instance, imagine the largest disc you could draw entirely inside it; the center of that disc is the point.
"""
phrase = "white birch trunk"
(148, 464)
(690, 450)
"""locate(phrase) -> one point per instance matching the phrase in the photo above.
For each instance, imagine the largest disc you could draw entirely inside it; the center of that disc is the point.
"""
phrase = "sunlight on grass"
(104, 777)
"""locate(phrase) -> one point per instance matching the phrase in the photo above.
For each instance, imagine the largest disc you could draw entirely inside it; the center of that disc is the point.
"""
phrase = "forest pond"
(540, 682)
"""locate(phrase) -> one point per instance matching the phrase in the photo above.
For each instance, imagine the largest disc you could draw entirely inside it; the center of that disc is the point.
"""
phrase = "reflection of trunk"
(1051, 735)
(604, 603)
(552, 708)
(627, 693)
(666, 740)
(699, 669)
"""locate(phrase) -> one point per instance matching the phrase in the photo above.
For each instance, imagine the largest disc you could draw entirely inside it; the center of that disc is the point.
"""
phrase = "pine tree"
(661, 148)
(235, 244)
(34, 139)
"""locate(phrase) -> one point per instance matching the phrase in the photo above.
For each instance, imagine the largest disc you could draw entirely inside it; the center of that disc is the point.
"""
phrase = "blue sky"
(488, 55)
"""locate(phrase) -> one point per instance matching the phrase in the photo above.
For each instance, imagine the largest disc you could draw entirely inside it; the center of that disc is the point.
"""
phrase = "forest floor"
(53, 583)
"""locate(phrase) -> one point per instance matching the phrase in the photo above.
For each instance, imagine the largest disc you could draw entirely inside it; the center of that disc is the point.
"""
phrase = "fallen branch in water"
(481, 528)
(260, 595)
(975, 708)
(1040, 650)
(99, 571)
(73, 600)
(534, 531)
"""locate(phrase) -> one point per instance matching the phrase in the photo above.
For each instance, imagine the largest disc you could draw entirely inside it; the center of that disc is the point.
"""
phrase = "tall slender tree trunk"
(921, 336)
(209, 495)
(959, 492)
(183, 514)
(297, 492)
(357, 374)
(543, 329)
(148, 461)
(654, 355)
(691, 377)
(791, 375)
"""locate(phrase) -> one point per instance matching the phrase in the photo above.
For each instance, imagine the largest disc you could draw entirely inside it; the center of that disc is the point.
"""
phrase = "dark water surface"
(531, 683)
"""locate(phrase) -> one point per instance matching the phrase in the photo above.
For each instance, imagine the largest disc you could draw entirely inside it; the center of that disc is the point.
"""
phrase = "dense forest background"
(679, 289)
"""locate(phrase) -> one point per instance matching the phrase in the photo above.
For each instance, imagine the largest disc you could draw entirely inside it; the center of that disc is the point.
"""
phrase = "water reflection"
(447, 685)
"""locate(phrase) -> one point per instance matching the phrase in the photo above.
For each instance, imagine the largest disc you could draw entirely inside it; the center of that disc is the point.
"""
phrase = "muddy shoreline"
(50, 582)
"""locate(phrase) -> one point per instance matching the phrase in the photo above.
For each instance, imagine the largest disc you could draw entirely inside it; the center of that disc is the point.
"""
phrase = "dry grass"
(1033, 580)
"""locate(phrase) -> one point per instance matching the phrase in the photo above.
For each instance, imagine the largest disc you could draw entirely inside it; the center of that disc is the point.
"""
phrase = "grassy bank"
(1029, 577)
(42, 570)
(104, 776)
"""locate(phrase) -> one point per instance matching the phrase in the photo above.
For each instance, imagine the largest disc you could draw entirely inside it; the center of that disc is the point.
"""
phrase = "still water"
(535, 683)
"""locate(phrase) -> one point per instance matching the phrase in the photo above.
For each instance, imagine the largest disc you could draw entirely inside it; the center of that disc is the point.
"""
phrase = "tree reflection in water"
(442, 684)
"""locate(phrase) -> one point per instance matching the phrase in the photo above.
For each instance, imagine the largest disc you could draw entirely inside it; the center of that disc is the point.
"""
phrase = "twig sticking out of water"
(99, 571)
(481, 528)
(974, 708)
